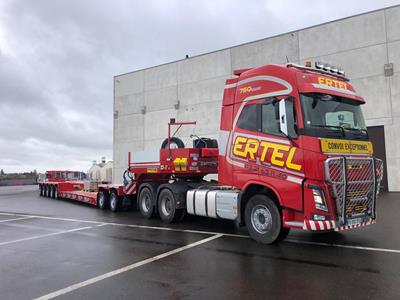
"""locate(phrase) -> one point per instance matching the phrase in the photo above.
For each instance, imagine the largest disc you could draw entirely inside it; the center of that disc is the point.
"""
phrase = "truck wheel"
(167, 207)
(283, 234)
(174, 143)
(115, 201)
(102, 199)
(53, 192)
(47, 191)
(263, 220)
(146, 206)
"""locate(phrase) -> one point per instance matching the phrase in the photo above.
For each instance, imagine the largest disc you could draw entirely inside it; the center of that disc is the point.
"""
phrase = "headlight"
(319, 200)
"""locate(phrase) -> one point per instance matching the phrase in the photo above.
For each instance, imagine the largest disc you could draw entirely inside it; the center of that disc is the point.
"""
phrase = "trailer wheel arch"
(253, 189)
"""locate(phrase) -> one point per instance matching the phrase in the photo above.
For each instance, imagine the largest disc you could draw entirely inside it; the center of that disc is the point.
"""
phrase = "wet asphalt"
(47, 245)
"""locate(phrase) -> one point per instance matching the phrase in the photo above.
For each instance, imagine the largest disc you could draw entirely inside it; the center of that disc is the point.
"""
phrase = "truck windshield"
(332, 116)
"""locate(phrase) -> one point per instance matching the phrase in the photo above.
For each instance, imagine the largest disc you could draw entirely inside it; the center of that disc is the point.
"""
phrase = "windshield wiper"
(330, 126)
(357, 129)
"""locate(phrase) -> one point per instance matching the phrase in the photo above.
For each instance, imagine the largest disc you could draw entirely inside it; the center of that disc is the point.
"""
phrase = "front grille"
(355, 183)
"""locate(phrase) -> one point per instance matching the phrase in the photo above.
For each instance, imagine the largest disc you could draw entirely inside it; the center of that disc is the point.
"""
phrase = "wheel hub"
(261, 219)
(166, 206)
(101, 199)
(146, 203)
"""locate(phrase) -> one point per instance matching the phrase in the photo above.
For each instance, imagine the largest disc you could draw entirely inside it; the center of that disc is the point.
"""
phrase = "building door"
(377, 137)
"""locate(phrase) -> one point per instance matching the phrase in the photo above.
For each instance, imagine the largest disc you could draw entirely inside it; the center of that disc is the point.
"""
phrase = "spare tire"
(174, 143)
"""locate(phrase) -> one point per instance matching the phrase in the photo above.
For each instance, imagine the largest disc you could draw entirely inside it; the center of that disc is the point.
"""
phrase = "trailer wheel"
(102, 199)
(115, 201)
(47, 191)
(167, 207)
(53, 192)
(174, 143)
(146, 206)
(263, 220)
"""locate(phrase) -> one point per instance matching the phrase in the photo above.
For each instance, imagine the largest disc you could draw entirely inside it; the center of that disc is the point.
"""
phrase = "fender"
(265, 185)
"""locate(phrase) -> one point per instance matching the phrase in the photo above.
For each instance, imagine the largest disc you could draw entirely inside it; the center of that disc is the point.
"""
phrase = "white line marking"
(129, 225)
(125, 269)
(16, 219)
(44, 235)
(202, 232)
(343, 246)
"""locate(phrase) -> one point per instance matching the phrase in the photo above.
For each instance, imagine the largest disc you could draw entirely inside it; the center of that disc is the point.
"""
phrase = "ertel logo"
(276, 154)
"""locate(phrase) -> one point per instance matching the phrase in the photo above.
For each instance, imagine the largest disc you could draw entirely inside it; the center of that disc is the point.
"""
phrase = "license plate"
(353, 222)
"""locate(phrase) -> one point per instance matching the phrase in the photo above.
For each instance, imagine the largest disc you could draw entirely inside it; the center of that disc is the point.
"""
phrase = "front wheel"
(263, 220)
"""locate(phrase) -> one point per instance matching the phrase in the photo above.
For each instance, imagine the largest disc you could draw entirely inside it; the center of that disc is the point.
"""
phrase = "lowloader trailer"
(293, 152)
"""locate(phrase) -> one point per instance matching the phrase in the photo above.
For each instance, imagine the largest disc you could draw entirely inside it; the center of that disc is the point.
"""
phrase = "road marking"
(204, 232)
(125, 269)
(129, 225)
(45, 235)
(343, 246)
(16, 219)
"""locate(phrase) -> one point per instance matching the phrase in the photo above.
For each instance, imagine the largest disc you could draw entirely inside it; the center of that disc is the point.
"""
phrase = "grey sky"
(58, 59)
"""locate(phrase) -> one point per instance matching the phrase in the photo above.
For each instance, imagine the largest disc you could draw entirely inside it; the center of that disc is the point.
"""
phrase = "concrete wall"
(362, 45)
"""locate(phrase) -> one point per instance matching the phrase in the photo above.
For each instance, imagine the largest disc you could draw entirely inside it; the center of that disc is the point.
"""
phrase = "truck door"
(281, 162)
(244, 145)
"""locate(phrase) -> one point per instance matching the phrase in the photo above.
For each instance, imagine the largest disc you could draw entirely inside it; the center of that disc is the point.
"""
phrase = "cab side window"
(248, 118)
(270, 118)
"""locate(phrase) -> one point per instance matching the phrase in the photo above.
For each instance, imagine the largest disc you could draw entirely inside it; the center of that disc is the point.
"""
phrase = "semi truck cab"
(293, 140)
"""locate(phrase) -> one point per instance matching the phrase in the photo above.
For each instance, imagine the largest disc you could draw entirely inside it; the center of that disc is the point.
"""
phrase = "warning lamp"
(308, 64)
(319, 65)
(341, 72)
(329, 68)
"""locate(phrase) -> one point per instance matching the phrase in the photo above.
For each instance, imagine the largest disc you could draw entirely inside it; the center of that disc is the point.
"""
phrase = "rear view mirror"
(283, 117)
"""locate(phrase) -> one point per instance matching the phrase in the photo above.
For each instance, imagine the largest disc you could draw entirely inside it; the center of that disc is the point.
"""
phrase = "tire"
(103, 199)
(167, 207)
(145, 203)
(263, 220)
(115, 201)
(174, 143)
(53, 192)
(47, 191)
(283, 234)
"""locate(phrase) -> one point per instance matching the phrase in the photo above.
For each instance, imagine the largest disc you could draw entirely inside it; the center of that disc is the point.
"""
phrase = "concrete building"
(367, 46)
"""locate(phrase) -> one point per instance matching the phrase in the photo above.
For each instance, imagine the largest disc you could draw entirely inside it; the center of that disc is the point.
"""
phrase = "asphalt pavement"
(68, 250)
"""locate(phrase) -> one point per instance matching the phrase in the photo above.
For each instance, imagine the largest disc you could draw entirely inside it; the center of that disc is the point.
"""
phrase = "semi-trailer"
(293, 152)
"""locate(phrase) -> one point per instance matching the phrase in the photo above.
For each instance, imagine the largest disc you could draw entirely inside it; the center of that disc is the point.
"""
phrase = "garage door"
(377, 136)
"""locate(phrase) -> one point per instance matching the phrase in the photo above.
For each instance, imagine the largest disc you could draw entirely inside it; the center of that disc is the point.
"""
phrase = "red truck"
(293, 152)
